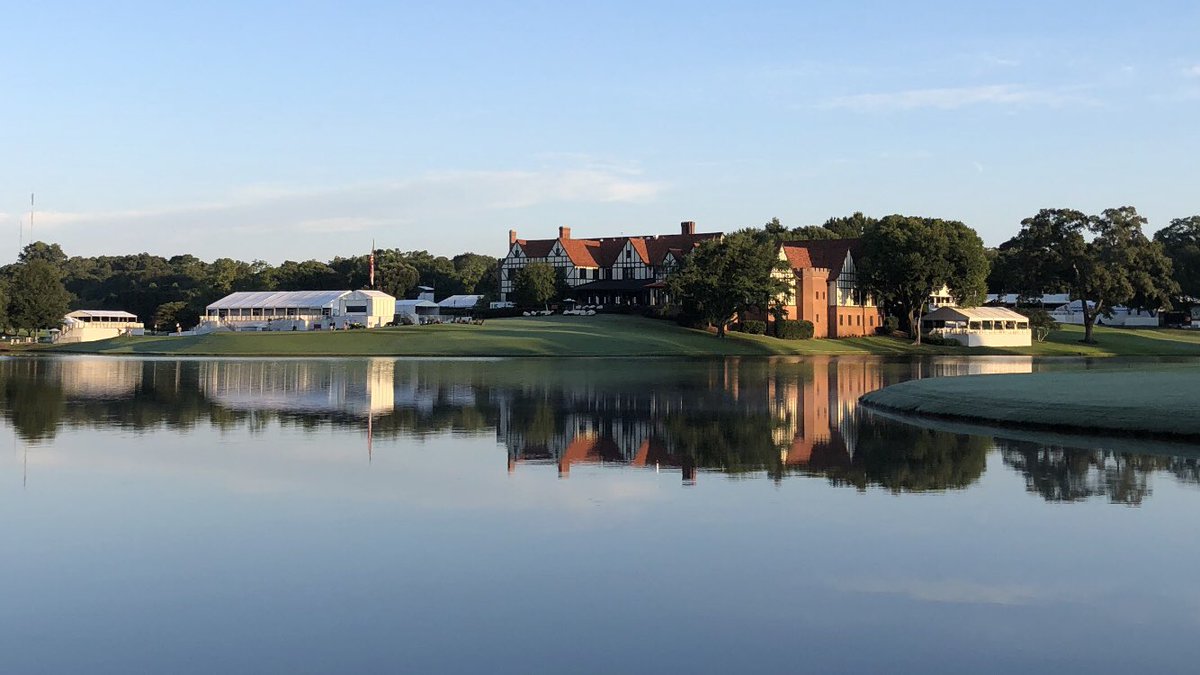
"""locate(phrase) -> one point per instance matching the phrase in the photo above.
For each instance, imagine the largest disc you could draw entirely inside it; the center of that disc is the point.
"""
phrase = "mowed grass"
(535, 336)
(1152, 401)
(606, 335)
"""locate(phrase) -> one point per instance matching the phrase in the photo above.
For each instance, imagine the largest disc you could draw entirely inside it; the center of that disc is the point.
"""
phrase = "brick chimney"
(564, 233)
(512, 238)
(688, 227)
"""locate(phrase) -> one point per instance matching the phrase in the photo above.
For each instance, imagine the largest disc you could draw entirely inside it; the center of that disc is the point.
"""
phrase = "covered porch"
(979, 326)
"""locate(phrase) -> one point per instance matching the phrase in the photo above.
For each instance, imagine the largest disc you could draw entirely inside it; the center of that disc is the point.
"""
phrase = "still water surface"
(336, 515)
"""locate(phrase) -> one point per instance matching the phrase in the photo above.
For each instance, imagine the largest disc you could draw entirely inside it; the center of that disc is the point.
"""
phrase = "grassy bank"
(1154, 401)
(604, 336)
(541, 336)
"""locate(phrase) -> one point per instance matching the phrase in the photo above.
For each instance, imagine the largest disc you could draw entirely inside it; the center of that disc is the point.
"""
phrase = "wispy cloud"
(950, 98)
(1192, 71)
(432, 210)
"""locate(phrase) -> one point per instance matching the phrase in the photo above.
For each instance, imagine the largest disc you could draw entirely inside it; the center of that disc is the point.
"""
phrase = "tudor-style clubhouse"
(606, 270)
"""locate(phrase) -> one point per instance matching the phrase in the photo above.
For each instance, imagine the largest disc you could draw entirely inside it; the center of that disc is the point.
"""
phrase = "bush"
(753, 327)
(938, 341)
(666, 313)
(891, 325)
(793, 330)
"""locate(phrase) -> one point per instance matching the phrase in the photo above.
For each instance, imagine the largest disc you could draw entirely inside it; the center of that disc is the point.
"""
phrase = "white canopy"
(279, 299)
(460, 301)
(110, 314)
(974, 314)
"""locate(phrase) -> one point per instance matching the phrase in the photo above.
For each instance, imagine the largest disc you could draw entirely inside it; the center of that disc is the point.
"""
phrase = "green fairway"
(1148, 401)
(1119, 342)
(607, 335)
(541, 336)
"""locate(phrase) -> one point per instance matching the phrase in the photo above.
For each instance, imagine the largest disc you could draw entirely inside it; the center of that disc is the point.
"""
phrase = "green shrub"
(891, 325)
(793, 330)
(934, 340)
(753, 327)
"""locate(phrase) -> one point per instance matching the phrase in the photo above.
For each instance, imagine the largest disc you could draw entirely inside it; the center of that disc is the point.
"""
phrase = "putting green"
(1159, 401)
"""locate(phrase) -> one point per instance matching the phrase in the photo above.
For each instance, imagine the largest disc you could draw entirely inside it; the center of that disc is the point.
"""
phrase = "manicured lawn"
(541, 336)
(1120, 342)
(605, 336)
(1146, 401)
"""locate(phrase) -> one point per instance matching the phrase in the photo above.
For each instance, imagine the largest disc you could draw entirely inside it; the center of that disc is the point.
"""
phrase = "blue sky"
(302, 130)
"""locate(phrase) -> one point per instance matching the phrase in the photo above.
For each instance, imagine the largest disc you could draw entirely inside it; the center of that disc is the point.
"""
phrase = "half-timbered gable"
(823, 287)
(606, 269)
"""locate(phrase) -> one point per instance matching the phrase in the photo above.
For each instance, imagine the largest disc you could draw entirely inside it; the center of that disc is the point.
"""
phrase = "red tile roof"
(823, 253)
(605, 251)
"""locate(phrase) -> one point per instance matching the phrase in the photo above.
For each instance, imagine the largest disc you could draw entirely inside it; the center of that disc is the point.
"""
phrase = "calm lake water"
(340, 515)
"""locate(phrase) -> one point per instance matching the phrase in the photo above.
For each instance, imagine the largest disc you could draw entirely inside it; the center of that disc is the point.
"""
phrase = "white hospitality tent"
(301, 310)
(460, 302)
(87, 325)
(979, 326)
(415, 310)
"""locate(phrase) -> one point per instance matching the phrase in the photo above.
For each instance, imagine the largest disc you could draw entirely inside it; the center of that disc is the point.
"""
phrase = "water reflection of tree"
(1061, 474)
(906, 458)
(734, 417)
(34, 404)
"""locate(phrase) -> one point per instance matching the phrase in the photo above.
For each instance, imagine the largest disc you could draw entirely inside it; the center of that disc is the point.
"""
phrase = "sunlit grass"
(605, 336)
(1155, 400)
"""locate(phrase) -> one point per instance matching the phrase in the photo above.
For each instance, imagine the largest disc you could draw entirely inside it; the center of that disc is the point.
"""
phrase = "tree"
(169, 315)
(905, 259)
(39, 299)
(724, 277)
(474, 270)
(848, 227)
(536, 284)
(1181, 243)
(1118, 265)
(40, 250)
(1040, 321)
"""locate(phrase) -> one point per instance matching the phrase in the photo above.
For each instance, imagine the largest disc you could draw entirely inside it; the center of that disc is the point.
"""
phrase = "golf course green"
(1156, 401)
(605, 335)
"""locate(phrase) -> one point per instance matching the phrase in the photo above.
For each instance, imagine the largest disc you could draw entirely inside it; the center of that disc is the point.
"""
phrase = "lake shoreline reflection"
(405, 501)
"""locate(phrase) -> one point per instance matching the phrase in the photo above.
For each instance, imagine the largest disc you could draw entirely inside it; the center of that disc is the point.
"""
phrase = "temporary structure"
(979, 326)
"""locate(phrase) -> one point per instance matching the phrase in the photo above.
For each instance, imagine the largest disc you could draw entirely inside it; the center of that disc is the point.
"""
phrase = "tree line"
(45, 283)
(1103, 260)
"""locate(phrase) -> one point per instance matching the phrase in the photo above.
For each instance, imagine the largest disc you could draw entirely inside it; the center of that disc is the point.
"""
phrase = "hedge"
(788, 329)
(753, 327)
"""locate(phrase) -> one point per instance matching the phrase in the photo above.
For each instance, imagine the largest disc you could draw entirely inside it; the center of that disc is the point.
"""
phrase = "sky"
(302, 130)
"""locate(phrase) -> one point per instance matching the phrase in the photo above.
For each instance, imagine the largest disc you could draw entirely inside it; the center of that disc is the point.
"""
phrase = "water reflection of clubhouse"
(736, 417)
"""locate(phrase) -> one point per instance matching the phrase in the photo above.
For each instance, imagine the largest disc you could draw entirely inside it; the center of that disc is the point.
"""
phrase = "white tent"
(415, 310)
(300, 310)
(460, 302)
(979, 326)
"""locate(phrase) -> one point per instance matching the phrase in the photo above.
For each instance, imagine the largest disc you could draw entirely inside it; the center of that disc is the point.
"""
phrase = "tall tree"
(39, 299)
(474, 270)
(40, 250)
(1118, 265)
(536, 284)
(848, 227)
(905, 259)
(393, 275)
(724, 277)
(1181, 243)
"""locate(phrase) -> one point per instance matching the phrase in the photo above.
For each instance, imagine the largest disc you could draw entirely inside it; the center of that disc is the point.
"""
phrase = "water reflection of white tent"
(302, 387)
(979, 326)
